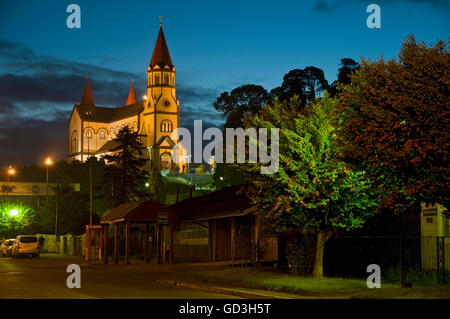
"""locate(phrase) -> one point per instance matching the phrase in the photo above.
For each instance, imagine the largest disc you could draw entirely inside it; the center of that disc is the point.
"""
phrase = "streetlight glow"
(13, 212)
(48, 161)
(11, 170)
(144, 97)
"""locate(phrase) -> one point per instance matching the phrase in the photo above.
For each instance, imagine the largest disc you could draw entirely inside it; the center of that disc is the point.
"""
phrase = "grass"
(327, 286)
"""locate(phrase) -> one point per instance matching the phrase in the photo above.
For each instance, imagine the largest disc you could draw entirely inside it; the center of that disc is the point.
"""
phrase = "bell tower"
(162, 105)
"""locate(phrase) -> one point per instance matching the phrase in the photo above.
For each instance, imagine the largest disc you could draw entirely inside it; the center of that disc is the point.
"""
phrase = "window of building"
(74, 142)
(166, 126)
(102, 134)
(88, 133)
(166, 79)
(157, 79)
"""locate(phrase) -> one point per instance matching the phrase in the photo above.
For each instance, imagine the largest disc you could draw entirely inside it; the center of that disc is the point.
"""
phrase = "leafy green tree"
(125, 175)
(15, 218)
(313, 190)
(397, 128)
(67, 209)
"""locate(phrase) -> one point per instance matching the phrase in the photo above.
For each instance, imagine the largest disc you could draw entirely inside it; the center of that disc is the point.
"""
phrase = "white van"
(25, 245)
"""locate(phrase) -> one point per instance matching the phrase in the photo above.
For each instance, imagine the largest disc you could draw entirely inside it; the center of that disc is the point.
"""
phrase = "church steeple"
(87, 98)
(131, 95)
(161, 55)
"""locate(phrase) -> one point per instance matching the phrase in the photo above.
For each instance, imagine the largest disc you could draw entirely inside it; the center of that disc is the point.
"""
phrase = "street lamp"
(48, 162)
(188, 159)
(13, 212)
(149, 158)
(11, 172)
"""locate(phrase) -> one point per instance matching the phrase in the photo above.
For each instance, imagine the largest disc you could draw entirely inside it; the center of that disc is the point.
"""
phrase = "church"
(92, 128)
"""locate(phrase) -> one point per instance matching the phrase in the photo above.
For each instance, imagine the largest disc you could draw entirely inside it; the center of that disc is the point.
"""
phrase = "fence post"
(440, 247)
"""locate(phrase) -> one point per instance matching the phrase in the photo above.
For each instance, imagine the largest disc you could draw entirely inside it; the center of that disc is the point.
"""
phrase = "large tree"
(15, 218)
(243, 100)
(125, 174)
(305, 83)
(347, 67)
(398, 124)
(66, 211)
(313, 190)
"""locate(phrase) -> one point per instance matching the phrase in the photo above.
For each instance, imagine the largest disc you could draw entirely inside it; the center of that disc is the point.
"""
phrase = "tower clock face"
(166, 103)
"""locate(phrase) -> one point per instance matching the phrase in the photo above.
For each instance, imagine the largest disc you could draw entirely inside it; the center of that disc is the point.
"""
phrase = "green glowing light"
(13, 212)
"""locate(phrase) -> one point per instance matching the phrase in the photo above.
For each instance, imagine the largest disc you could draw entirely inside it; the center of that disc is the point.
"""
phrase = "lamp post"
(188, 159)
(48, 162)
(149, 158)
(88, 115)
(11, 172)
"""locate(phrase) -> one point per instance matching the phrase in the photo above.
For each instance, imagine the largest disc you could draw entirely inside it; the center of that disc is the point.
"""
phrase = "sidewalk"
(241, 292)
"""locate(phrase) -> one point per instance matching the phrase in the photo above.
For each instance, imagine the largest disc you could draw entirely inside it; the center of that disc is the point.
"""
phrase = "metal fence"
(436, 255)
(350, 255)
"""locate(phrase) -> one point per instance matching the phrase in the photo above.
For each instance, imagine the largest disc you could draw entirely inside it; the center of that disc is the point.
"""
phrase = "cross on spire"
(160, 20)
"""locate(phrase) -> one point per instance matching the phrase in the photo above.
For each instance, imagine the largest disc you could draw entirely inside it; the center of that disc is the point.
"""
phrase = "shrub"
(414, 275)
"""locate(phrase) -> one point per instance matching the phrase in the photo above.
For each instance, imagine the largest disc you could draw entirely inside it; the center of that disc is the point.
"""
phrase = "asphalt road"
(46, 278)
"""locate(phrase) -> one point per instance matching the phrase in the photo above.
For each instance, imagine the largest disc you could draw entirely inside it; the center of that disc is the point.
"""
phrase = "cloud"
(37, 93)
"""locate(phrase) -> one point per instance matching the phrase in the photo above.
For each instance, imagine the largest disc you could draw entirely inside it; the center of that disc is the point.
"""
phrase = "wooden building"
(221, 226)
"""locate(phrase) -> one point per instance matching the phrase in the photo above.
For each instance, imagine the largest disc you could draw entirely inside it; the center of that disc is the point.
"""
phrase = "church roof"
(131, 95)
(87, 98)
(108, 114)
(161, 56)
(225, 202)
(108, 147)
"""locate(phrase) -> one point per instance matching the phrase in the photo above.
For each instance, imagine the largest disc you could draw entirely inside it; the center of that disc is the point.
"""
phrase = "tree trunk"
(322, 237)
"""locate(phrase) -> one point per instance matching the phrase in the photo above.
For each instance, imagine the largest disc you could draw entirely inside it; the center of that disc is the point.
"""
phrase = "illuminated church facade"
(92, 128)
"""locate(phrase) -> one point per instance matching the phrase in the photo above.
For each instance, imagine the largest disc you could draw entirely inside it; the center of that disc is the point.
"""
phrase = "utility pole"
(402, 250)
(56, 210)
(11, 171)
(90, 170)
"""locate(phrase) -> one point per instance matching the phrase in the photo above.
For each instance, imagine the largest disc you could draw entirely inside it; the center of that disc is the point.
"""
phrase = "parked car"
(25, 245)
(5, 248)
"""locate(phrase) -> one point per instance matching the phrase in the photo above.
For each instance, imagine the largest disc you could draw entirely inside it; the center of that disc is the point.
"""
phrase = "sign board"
(163, 218)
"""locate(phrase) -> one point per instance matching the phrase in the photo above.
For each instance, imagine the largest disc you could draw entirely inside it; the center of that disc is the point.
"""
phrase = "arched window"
(157, 79)
(166, 79)
(88, 133)
(102, 135)
(74, 142)
(166, 126)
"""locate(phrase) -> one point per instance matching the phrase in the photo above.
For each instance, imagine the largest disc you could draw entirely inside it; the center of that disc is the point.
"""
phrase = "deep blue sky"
(215, 46)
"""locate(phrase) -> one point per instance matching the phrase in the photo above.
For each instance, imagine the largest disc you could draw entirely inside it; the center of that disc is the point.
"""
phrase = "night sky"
(215, 46)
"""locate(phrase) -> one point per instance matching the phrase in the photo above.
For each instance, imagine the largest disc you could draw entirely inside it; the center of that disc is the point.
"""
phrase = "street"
(46, 276)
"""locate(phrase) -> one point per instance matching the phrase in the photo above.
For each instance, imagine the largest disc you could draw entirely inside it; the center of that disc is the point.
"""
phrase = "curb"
(222, 290)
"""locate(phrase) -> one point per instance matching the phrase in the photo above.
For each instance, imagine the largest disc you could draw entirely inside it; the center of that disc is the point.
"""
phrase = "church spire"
(161, 56)
(131, 95)
(87, 98)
